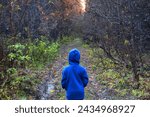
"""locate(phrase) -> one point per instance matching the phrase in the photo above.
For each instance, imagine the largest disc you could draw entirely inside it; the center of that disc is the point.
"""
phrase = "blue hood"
(74, 56)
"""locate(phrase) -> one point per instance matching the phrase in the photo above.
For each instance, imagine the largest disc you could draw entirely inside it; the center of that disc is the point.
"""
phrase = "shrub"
(17, 56)
(42, 52)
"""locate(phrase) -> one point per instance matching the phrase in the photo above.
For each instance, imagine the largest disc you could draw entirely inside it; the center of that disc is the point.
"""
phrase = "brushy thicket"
(121, 30)
(19, 79)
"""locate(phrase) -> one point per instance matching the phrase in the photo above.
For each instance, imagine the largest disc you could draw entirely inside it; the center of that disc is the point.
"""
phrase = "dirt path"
(50, 88)
(58, 92)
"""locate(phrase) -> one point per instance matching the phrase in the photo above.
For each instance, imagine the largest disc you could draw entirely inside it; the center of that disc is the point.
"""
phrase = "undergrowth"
(20, 76)
(116, 77)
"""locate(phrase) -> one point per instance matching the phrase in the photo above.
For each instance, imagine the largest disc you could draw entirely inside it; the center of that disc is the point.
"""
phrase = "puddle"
(50, 88)
(44, 90)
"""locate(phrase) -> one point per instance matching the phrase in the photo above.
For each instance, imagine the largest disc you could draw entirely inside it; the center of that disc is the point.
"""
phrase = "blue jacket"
(74, 77)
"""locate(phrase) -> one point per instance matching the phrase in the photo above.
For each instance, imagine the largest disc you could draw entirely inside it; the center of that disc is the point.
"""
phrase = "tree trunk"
(135, 73)
(1, 52)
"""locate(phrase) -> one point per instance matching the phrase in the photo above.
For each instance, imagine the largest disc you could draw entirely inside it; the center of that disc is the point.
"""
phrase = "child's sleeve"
(85, 78)
(63, 81)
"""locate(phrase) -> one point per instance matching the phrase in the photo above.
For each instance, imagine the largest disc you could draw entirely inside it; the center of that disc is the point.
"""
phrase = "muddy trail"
(50, 88)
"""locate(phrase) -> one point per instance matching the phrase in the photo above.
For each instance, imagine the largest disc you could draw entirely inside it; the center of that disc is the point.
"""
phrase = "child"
(74, 77)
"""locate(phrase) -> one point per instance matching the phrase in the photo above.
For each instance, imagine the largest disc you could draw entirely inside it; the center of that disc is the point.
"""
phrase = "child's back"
(74, 77)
